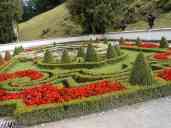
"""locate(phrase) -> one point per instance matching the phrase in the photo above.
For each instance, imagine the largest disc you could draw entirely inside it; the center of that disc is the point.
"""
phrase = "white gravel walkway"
(152, 114)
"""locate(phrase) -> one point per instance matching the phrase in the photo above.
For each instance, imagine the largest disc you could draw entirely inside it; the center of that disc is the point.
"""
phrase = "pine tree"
(141, 72)
(65, 57)
(91, 55)
(81, 52)
(164, 43)
(7, 55)
(2, 61)
(111, 52)
(48, 57)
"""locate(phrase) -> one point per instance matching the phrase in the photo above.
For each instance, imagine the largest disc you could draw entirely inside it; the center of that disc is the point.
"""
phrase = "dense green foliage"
(10, 13)
(91, 55)
(81, 52)
(65, 57)
(96, 16)
(141, 72)
(48, 57)
(164, 43)
(111, 52)
(18, 50)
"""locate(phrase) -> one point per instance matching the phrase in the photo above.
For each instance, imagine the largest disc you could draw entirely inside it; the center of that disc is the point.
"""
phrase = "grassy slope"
(56, 20)
(59, 24)
(162, 22)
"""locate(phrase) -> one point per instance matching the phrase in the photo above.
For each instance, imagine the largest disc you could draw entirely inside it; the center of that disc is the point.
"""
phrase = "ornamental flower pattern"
(148, 45)
(162, 56)
(32, 74)
(49, 93)
(165, 74)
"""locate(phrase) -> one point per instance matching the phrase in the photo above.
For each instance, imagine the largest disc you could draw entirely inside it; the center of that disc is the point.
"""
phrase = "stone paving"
(151, 114)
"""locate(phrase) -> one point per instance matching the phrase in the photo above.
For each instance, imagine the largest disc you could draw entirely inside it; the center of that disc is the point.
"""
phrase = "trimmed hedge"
(145, 49)
(83, 65)
(53, 112)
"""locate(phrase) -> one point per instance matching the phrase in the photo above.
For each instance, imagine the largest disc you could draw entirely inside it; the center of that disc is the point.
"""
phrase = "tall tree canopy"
(96, 16)
(10, 13)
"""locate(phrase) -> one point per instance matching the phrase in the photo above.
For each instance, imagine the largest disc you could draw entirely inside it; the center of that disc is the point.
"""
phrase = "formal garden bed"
(60, 81)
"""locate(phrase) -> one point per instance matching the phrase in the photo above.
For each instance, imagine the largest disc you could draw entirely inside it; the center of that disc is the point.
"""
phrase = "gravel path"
(152, 114)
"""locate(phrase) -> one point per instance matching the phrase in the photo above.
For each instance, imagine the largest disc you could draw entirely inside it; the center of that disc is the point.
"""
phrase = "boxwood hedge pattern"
(78, 75)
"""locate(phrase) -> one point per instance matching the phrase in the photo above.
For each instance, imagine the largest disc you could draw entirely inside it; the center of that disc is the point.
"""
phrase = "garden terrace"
(66, 80)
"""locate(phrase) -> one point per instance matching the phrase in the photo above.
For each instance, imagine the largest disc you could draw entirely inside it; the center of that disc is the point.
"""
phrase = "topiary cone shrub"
(111, 52)
(2, 61)
(141, 72)
(121, 41)
(164, 43)
(91, 55)
(138, 41)
(48, 57)
(81, 52)
(65, 57)
(117, 49)
(7, 56)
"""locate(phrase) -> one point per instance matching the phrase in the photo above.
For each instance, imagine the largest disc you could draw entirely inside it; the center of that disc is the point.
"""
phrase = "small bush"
(164, 43)
(141, 73)
(2, 61)
(7, 55)
(117, 49)
(121, 41)
(48, 57)
(138, 41)
(91, 55)
(18, 50)
(111, 52)
(81, 52)
(65, 57)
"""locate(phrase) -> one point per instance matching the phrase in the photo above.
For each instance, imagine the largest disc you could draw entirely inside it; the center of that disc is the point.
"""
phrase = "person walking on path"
(151, 19)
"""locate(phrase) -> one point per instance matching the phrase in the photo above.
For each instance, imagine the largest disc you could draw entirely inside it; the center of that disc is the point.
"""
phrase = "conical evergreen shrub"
(141, 72)
(118, 50)
(121, 41)
(111, 52)
(7, 55)
(48, 57)
(18, 50)
(2, 61)
(138, 41)
(164, 43)
(65, 57)
(91, 55)
(81, 52)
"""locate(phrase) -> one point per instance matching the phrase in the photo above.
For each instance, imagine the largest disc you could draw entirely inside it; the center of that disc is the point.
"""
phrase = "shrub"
(65, 57)
(18, 50)
(91, 55)
(81, 52)
(111, 52)
(164, 43)
(141, 73)
(138, 41)
(48, 57)
(2, 61)
(117, 49)
(7, 56)
(121, 41)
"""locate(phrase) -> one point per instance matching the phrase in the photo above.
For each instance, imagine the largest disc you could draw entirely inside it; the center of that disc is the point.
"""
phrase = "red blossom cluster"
(165, 74)
(148, 45)
(34, 75)
(48, 93)
(162, 56)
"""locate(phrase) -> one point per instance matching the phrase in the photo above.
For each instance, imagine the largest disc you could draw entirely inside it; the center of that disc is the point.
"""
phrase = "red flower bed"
(148, 45)
(47, 93)
(34, 75)
(165, 74)
(162, 56)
